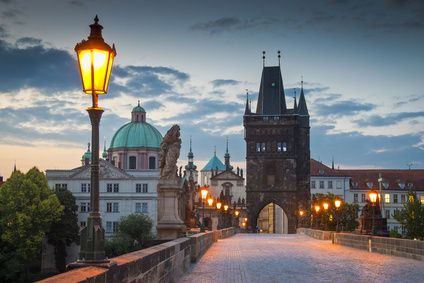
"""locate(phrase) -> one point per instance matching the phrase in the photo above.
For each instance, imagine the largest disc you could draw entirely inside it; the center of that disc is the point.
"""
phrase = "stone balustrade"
(162, 263)
(385, 245)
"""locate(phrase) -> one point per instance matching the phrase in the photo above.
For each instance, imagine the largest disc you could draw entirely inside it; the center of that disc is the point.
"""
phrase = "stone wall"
(162, 263)
(316, 234)
(385, 245)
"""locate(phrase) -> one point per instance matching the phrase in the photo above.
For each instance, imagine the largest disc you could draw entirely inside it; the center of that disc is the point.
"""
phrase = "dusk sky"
(190, 63)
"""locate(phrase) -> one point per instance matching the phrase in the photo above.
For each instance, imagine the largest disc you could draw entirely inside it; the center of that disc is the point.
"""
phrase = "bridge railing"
(162, 263)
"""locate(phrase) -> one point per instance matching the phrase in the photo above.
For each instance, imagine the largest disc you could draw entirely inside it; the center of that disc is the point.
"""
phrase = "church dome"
(137, 133)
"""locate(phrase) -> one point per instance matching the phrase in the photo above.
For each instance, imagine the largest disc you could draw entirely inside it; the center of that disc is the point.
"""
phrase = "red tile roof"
(359, 177)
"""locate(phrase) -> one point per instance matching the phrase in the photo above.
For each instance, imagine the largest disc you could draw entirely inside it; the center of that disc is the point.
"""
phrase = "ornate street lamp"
(95, 59)
(373, 195)
(225, 207)
(210, 201)
(237, 213)
(204, 194)
(325, 205)
(218, 205)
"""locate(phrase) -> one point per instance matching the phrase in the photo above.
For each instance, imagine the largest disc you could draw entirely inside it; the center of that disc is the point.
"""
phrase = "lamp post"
(337, 204)
(237, 222)
(301, 213)
(95, 59)
(210, 203)
(317, 209)
(226, 215)
(373, 195)
(204, 194)
(325, 205)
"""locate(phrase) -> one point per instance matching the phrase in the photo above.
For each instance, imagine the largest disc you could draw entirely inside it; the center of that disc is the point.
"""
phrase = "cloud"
(378, 120)
(77, 3)
(25, 42)
(341, 108)
(227, 24)
(222, 82)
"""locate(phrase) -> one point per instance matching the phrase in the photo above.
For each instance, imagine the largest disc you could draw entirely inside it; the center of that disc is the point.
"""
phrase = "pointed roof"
(271, 99)
(302, 108)
(247, 110)
(295, 103)
(214, 164)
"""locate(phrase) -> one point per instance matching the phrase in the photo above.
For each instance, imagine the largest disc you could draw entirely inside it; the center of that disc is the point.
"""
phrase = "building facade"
(277, 151)
(129, 175)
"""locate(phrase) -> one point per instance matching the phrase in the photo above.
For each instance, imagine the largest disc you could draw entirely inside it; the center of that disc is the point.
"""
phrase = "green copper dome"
(214, 164)
(136, 135)
(138, 108)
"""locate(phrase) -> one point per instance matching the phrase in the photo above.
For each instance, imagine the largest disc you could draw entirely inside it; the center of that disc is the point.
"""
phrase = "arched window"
(152, 162)
(132, 162)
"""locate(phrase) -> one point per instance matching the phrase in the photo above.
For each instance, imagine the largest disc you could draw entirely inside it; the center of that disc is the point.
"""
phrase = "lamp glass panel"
(100, 66)
(84, 58)
(109, 69)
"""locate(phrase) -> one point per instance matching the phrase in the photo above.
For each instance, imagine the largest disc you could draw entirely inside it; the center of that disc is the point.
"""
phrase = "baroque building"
(129, 175)
(277, 154)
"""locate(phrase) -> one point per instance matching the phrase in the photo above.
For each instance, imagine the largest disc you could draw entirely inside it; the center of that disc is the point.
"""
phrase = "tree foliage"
(66, 230)
(27, 208)
(411, 217)
(135, 230)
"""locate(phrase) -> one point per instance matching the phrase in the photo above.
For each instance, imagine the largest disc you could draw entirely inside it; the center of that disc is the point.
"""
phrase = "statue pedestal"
(170, 226)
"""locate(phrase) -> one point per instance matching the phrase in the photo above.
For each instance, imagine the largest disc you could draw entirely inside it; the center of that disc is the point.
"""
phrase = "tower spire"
(295, 102)
(263, 58)
(279, 58)
(247, 110)
(190, 167)
(302, 109)
(228, 167)
(332, 162)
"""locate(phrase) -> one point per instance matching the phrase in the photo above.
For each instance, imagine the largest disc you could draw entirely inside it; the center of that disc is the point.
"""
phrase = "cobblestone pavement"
(297, 258)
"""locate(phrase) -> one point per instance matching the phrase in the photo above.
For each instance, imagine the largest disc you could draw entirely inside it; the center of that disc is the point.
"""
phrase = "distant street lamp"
(218, 205)
(317, 208)
(95, 59)
(204, 194)
(337, 204)
(301, 213)
(373, 195)
(225, 207)
(325, 206)
(237, 213)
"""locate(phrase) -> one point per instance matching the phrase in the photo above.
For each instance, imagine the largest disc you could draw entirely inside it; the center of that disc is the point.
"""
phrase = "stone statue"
(169, 153)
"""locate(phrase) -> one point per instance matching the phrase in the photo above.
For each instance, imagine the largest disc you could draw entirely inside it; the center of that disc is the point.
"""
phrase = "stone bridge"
(221, 256)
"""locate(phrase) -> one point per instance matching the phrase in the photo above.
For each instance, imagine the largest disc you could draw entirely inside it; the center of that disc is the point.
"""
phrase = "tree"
(66, 230)
(27, 208)
(411, 217)
(134, 232)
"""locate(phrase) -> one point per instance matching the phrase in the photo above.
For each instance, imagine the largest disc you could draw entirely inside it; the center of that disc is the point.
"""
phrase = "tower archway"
(272, 219)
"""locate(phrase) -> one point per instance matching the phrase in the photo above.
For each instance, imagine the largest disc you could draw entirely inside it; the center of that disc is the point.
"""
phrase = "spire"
(302, 109)
(214, 150)
(228, 167)
(14, 167)
(295, 102)
(190, 167)
(263, 58)
(247, 110)
(104, 154)
(332, 162)
(279, 58)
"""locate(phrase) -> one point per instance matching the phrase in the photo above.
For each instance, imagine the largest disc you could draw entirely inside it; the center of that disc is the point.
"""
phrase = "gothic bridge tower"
(277, 151)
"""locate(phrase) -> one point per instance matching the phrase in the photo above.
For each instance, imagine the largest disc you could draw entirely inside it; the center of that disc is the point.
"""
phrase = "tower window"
(284, 147)
(152, 162)
(132, 162)
(263, 146)
(258, 147)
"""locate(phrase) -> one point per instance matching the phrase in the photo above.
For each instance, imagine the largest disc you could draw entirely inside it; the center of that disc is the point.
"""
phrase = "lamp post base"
(93, 240)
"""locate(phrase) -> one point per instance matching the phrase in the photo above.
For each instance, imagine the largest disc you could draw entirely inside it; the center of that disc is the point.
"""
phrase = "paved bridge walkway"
(297, 258)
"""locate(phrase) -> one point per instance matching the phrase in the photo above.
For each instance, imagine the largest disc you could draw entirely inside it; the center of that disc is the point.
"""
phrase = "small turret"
(228, 167)
(86, 157)
(302, 109)
(138, 114)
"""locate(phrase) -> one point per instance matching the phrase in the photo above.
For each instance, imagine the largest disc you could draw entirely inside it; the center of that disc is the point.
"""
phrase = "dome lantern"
(138, 114)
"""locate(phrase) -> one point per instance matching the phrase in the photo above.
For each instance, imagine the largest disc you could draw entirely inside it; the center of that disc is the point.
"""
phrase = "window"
(363, 197)
(330, 184)
(395, 198)
(422, 199)
(312, 184)
(144, 208)
(83, 188)
(279, 147)
(83, 207)
(263, 147)
(116, 188)
(83, 224)
(152, 162)
(321, 184)
(108, 207)
(284, 147)
(109, 188)
(355, 198)
(61, 186)
(387, 213)
(132, 162)
(387, 198)
(116, 207)
(138, 188)
(108, 226)
(402, 198)
(258, 147)
(115, 226)
(138, 207)
(145, 188)
(88, 206)
(339, 185)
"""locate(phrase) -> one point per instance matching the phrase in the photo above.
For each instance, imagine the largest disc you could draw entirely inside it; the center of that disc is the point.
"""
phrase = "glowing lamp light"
(218, 205)
(337, 203)
(245, 219)
(226, 207)
(325, 205)
(95, 60)
(210, 201)
(373, 195)
(204, 192)
(317, 208)
(237, 213)
(301, 212)
(243, 224)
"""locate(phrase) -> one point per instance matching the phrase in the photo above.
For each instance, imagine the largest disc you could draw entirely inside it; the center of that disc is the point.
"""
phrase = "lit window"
(411, 198)
(387, 198)
(422, 199)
